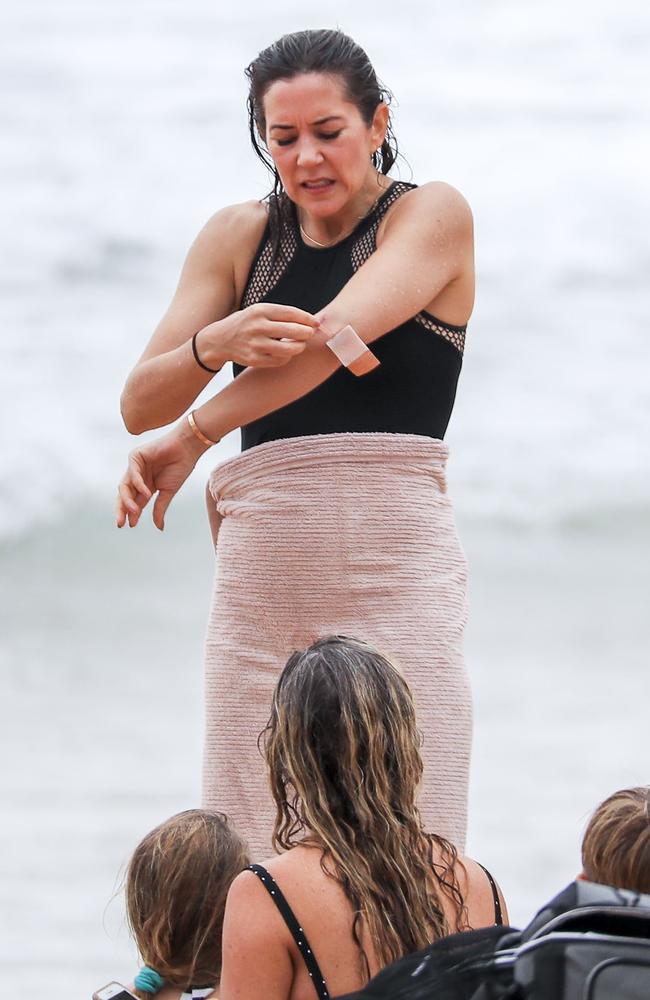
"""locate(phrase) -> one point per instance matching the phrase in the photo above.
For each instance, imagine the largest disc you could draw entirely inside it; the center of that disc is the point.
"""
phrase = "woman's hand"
(161, 467)
(265, 335)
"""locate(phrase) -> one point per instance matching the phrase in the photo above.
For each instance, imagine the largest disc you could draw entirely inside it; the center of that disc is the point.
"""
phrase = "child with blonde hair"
(176, 887)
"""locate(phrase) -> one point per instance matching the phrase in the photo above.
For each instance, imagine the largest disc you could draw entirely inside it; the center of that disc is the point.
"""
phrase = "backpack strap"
(295, 929)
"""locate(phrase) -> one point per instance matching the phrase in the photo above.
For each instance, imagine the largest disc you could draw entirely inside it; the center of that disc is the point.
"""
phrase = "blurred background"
(122, 129)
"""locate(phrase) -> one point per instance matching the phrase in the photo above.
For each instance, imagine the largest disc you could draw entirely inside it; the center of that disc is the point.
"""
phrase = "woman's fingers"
(141, 501)
(287, 314)
(279, 357)
(128, 505)
(126, 495)
(289, 331)
(133, 495)
(120, 511)
(160, 506)
(283, 348)
(255, 333)
(274, 353)
(136, 478)
(159, 467)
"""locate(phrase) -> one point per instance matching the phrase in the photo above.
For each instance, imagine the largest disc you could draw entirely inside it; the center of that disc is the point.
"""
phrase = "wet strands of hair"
(343, 751)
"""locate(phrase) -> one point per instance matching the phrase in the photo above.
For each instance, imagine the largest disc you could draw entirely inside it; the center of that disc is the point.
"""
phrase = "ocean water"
(123, 130)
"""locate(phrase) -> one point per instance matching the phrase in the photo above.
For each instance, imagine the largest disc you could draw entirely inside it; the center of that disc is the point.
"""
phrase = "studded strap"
(295, 929)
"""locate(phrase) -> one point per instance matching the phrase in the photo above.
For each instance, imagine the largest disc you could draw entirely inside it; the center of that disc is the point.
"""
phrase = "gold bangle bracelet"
(197, 432)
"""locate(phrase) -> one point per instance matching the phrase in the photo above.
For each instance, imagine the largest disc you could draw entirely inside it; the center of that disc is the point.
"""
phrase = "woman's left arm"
(426, 245)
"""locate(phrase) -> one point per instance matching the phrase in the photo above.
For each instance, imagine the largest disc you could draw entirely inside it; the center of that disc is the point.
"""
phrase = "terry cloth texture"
(348, 534)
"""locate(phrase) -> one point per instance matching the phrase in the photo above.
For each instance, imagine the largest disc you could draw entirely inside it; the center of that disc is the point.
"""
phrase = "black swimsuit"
(412, 391)
(299, 936)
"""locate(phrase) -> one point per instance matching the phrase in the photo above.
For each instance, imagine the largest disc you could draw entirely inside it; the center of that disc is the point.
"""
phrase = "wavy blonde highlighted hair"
(343, 752)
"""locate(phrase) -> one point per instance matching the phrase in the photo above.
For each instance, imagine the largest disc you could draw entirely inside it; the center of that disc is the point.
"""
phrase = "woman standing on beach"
(335, 518)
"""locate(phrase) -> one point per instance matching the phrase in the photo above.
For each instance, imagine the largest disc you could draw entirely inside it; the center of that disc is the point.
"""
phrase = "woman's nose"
(309, 153)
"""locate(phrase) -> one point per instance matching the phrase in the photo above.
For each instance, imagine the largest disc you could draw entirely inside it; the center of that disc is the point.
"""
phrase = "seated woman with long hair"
(360, 882)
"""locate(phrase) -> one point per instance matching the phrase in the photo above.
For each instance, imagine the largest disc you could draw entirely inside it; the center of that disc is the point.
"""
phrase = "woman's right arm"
(166, 379)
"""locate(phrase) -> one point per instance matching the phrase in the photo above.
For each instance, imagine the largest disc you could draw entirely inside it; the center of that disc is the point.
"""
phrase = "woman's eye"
(321, 135)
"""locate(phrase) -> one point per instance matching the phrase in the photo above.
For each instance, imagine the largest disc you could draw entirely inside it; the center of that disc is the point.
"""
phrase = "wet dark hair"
(324, 50)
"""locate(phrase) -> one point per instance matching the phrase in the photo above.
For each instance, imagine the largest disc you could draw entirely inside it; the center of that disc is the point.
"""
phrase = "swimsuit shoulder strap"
(498, 914)
(295, 929)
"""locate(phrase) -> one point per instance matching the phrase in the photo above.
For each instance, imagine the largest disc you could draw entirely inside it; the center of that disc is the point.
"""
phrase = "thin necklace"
(339, 239)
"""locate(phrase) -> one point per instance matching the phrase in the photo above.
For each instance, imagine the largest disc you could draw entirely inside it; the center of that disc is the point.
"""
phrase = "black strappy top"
(299, 936)
(413, 389)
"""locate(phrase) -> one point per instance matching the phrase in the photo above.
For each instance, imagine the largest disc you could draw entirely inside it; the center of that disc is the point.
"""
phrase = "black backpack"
(591, 942)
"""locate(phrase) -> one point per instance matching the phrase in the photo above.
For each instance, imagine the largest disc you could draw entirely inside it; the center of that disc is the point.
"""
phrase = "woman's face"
(319, 142)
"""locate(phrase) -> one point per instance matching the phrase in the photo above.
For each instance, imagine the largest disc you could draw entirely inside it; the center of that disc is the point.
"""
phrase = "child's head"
(176, 887)
(616, 844)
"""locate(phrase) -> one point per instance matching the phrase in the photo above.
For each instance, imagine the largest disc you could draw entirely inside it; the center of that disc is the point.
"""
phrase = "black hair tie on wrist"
(213, 371)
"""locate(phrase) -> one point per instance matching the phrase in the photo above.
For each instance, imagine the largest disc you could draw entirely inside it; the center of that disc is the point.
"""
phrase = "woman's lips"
(322, 184)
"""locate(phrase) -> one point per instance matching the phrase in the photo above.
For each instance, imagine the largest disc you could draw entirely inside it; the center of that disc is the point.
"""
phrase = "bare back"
(253, 925)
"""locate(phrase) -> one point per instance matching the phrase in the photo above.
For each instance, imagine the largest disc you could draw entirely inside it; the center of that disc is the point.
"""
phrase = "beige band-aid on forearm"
(352, 352)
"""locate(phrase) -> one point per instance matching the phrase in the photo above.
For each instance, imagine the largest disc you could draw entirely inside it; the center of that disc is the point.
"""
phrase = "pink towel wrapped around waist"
(340, 533)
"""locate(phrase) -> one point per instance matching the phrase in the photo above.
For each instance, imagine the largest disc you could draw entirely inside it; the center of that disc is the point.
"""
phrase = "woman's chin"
(320, 201)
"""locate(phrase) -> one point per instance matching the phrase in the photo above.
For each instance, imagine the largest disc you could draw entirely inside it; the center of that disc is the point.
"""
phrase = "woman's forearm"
(161, 389)
(259, 391)
(163, 386)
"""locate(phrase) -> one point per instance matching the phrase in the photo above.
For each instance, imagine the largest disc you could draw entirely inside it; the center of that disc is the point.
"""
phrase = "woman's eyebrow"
(319, 121)
(327, 118)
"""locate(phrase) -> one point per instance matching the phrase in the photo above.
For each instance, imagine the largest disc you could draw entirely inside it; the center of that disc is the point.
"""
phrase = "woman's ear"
(379, 126)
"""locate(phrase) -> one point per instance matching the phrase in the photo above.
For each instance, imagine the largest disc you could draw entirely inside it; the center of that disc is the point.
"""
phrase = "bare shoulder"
(435, 208)
(244, 889)
(246, 908)
(251, 920)
(442, 196)
(245, 215)
(248, 901)
(233, 228)
(476, 890)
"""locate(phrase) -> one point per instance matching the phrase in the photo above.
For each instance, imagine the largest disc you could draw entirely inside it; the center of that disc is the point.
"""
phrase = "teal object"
(148, 980)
